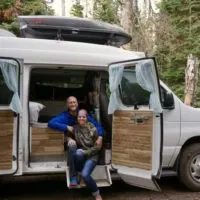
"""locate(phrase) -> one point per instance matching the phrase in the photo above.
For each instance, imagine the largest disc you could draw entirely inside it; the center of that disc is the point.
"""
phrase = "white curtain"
(10, 73)
(115, 77)
(145, 78)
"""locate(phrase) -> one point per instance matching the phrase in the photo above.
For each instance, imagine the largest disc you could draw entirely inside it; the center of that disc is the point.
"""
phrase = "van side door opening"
(136, 125)
(50, 87)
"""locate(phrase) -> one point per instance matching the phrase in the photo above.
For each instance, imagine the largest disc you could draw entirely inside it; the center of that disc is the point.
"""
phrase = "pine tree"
(106, 10)
(179, 38)
(77, 9)
(10, 9)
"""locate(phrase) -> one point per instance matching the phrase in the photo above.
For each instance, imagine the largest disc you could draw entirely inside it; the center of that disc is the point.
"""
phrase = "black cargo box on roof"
(72, 29)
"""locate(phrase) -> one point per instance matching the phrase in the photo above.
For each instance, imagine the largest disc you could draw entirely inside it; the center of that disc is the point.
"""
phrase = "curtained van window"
(5, 93)
(10, 72)
(131, 92)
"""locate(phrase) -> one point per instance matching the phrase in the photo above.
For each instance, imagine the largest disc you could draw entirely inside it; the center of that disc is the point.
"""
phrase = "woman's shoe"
(98, 197)
(73, 182)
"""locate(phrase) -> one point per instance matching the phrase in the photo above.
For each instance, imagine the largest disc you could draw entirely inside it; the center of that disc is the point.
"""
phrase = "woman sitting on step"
(85, 152)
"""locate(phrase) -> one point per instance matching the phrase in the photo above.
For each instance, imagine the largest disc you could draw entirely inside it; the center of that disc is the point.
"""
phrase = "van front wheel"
(189, 167)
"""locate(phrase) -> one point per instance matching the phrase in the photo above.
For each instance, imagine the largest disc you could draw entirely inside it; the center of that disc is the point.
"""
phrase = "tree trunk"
(191, 80)
(127, 19)
(63, 8)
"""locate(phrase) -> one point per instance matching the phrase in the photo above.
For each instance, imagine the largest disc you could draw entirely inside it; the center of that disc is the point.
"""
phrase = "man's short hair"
(71, 97)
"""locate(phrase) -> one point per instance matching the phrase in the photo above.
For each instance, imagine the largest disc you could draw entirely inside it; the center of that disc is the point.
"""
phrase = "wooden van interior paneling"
(6, 139)
(46, 142)
(132, 139)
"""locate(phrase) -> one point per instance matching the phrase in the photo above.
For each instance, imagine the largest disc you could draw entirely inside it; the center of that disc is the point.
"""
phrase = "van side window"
(5, 93)
(162, 92)
(167, 99)
(131, 92)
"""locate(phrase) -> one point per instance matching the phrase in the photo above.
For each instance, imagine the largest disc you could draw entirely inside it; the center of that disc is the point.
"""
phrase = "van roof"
(39, 51)
(6, 33)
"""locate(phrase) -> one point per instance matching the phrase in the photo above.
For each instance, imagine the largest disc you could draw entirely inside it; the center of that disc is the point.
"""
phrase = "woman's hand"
(71, 142)
(70, 128)
(99, 141)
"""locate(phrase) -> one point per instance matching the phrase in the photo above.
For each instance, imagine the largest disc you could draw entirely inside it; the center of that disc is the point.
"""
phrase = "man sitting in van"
(64, 122)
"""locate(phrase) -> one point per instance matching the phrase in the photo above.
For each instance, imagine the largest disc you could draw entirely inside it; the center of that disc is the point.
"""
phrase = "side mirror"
(168, 101)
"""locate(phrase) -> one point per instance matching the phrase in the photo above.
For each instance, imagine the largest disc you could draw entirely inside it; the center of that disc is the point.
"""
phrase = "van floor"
(47, 158)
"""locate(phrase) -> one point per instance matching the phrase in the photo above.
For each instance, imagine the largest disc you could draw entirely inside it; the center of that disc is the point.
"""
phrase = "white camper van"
(148, 131)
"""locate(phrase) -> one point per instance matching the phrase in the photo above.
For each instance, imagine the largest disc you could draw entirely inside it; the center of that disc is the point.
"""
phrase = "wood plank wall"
(132, 141)
(6, 139)
(46, 141)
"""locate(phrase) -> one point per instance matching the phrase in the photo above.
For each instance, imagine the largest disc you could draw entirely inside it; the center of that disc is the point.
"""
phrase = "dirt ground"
(54, 188)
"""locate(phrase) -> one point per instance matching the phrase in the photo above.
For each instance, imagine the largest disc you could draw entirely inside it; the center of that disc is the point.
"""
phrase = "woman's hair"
(82, 112)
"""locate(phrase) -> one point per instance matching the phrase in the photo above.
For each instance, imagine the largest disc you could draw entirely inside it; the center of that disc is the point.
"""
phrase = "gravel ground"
(54, 188)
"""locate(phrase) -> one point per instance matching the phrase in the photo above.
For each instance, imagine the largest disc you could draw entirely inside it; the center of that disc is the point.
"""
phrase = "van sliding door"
(136, 127)
(10, 107)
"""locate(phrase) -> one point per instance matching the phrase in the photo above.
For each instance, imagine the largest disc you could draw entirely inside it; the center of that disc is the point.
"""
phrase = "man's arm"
(59, 122)
(97, 125)
(99, 130)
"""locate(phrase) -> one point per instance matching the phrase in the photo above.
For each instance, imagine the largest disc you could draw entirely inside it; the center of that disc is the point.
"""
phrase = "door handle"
(140, 120)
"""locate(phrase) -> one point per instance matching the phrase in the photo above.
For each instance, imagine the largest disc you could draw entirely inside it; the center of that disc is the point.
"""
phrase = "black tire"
(187, 155)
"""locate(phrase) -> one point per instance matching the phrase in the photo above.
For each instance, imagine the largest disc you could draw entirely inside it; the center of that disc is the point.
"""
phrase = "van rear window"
(49, 84)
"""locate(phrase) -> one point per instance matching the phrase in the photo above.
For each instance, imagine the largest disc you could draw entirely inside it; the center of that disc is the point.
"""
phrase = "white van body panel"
(180, 124)
(38, 51)
(171, 129)
(190, 128)
(190, 123)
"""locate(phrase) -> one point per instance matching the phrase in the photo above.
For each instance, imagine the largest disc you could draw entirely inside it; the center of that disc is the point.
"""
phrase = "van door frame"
(17, 146)
(158, 175)
(26, 126)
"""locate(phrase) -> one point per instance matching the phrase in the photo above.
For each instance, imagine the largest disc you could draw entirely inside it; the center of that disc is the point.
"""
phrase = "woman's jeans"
(78, 162)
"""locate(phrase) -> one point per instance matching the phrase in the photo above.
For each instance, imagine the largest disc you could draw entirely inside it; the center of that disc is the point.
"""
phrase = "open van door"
(137, 122)
(10, 108)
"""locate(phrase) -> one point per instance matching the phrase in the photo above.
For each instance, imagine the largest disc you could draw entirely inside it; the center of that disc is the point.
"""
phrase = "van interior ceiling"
(51, 87)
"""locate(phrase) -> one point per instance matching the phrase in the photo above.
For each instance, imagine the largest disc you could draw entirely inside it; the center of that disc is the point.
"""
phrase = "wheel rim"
(195, 168)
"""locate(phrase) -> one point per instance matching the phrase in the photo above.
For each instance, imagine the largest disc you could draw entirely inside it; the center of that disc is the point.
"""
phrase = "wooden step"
(101, 175)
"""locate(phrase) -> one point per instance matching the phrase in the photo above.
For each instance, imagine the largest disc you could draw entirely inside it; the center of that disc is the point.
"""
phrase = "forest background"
(171, 33)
